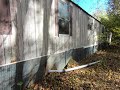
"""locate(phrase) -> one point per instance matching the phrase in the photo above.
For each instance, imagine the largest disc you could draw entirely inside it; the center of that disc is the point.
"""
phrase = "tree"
(114, 7)
(112, 20)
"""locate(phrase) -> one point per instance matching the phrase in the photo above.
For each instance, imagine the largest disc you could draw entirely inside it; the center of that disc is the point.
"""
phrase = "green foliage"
(114, 7)
(112, 23)
(112, 20)
(103, 37)
(20, 84)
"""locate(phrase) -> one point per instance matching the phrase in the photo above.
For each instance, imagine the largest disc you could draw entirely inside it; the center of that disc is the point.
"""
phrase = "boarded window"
(5, 19)
(64, 17)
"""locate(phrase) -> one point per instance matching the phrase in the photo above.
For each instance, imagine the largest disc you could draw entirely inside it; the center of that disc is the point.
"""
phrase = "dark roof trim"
(84, 10)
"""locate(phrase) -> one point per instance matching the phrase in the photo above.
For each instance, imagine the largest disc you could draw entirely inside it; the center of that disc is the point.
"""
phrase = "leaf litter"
(102, 76)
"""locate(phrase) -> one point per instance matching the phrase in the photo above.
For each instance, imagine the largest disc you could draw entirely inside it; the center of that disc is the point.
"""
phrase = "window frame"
(5, 19)
(90, 23)
(57, 33)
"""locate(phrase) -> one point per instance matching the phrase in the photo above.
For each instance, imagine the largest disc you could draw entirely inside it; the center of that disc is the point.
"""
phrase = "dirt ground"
(102, 76)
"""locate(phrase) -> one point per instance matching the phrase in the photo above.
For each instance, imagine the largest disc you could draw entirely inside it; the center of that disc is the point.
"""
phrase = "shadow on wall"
(80, 53)
(27, 71)
(43, 62)
(20, 44)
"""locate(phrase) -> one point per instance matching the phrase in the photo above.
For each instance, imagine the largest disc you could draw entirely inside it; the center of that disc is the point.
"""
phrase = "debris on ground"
(102, 76)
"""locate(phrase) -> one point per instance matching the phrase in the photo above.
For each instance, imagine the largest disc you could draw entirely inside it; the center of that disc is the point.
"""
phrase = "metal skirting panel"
(33, 70)
(80, 53)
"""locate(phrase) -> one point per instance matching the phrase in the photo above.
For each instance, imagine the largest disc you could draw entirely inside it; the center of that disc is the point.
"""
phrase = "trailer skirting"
(30, 71)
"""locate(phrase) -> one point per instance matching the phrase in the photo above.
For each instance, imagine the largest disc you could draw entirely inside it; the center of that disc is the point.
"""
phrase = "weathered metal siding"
(33, 31)
(33, 26)
(30, 71)
(33, 46)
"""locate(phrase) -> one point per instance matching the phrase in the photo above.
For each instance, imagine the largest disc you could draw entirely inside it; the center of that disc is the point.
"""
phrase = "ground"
(102, 76)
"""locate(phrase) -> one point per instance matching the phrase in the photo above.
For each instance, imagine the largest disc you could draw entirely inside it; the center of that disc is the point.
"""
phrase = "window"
(64, 17)
(90, 23)
(89, 26)
(95, 25)
(5, 19)
(103, 29)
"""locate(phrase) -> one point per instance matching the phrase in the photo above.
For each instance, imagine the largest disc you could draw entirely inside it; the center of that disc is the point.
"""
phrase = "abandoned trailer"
(37, 35)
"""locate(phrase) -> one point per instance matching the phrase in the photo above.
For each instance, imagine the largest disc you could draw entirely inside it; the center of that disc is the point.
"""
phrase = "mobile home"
(36, 35)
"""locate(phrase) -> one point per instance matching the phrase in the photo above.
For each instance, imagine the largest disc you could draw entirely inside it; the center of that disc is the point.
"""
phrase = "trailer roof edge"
(84, 10)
